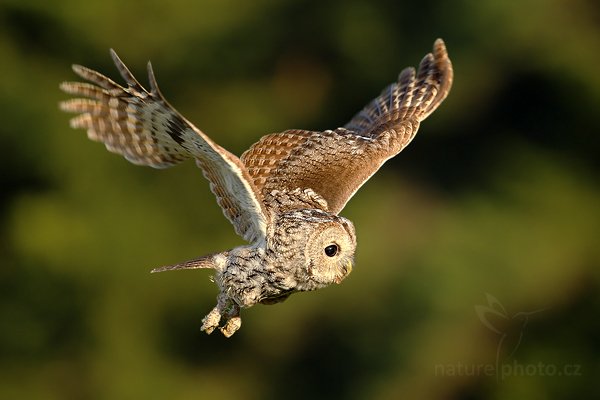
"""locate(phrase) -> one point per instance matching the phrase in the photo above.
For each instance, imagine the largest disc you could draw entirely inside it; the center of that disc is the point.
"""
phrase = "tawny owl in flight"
(283, 195)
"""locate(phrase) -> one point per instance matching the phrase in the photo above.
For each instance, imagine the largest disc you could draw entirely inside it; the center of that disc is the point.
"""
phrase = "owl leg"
(233, 320)
(212, 319)
(225, 309)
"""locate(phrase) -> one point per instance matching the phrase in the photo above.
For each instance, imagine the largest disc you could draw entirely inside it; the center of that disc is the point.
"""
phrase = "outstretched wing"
(143, 127)
(333, 165)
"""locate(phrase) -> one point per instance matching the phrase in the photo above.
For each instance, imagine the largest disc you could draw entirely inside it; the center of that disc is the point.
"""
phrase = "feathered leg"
(226, 309)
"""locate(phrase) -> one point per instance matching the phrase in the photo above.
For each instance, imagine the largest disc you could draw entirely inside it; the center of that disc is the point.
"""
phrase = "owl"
(283, 195)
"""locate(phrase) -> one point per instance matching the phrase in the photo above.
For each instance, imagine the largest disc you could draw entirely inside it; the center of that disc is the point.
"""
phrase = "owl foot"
(211, 321)
(231, 326)
(225, 309)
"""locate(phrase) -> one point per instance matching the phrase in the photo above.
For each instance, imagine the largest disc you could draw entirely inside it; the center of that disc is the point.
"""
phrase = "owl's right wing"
(325, 169)
(143, 127)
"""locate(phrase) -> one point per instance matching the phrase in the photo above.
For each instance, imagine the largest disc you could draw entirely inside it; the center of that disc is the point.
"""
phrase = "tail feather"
(210, 261)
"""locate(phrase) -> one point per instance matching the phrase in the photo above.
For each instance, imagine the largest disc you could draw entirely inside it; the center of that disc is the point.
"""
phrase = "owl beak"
(346, 269)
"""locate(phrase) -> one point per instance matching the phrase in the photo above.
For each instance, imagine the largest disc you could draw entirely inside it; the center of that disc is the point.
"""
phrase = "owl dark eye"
(331, 250)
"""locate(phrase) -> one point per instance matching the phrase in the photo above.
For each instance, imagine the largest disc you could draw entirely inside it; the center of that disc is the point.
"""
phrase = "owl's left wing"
(325, 169)
(143, 127)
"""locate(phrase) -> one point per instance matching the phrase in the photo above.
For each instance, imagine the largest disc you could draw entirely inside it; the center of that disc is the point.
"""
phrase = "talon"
(231, 326)
(207, 328)
(211, 321)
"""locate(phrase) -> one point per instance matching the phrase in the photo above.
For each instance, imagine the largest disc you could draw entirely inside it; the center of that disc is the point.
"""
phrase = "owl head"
(320, 246)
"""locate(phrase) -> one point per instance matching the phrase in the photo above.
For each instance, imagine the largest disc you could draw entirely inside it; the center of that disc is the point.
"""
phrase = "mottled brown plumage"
(283, 195)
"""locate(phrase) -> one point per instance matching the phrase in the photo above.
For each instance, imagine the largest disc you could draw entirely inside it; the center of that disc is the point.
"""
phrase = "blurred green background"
(498, 194)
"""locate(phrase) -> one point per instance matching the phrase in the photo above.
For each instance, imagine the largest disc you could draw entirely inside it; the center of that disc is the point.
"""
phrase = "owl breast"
(253, 276)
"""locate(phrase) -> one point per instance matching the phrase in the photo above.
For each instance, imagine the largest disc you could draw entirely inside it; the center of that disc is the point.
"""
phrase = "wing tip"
(66, 106)
(407, 74)
(435, 69)
(440, 55)
(439, 46)
(444, 67)
(83, 72)
(82, 121)
(66, 86)
(115, 57)
(418, 91)
(126, 74)
(154, 89)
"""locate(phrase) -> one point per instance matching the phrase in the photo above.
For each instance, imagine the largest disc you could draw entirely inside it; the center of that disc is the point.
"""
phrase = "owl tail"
(209, 261)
